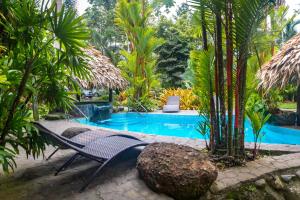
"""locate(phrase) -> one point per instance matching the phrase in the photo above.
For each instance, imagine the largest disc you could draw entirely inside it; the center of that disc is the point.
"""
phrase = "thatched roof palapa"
(104, 73)
(284, 67)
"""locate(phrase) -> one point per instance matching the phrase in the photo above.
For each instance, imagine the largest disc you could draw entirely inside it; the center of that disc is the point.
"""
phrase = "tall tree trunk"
(240, 92)
(242, 105)
(229, 66)
(213, 120)
(237, 112)
(204, 31)
(217, 127)
(221, 82)
(35, 107)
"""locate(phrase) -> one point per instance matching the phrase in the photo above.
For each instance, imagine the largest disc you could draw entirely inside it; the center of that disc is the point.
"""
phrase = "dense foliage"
(229, 27)
(105, 34)
(188, 100)
(139, 62)
(217, 46)
(41, 51)
(173, 55)
(267, 40)
(258, 119)
(70, 4)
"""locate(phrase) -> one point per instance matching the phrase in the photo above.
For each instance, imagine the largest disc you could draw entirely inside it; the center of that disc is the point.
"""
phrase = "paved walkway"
(33, 179)
(254, 170)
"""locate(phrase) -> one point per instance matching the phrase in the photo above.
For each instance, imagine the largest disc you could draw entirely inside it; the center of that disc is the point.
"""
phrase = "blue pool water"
(185, 126)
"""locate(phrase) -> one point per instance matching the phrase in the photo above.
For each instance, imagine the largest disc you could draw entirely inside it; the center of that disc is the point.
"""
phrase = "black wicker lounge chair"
(102, 150)
(82, 139)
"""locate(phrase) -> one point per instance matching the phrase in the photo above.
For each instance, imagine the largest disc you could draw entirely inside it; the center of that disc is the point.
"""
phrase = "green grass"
(287, 105)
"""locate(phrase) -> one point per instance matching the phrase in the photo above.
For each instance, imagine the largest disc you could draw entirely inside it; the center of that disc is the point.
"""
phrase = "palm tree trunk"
(240, 91)
(217, 127)
(242, 105)
(221, 82)
(229, 64)
(204, 31)
(35, 108)
(213, 124)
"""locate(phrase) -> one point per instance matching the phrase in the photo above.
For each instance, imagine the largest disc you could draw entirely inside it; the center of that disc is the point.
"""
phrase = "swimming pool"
(185, 126)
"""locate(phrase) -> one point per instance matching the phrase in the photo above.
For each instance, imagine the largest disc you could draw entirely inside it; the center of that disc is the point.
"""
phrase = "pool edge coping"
(248, 145)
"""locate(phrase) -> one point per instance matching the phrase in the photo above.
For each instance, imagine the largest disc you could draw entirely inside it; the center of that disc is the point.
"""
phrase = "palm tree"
(242, 18)
(139, 64)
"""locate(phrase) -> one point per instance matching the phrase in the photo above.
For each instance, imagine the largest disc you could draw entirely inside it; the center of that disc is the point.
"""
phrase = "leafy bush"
(256, 103)
(188, 101)
(258, 120)
(122, 98)
(257, 112)
(203, 127)
(173, 56)
(33, 68)
(138, 64)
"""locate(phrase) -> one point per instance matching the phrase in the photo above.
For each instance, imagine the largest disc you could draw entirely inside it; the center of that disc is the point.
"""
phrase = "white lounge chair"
(172, 104)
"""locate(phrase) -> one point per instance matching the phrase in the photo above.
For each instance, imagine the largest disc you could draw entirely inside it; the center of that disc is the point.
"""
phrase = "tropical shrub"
(122, 98)
(42, 52)
(138, 65)
(201, 65)
(258, 119)
(229, 27)
(289, 93)
(173, 56)
(256, 103)
(272, 99)
(203, 127)
(188, 101)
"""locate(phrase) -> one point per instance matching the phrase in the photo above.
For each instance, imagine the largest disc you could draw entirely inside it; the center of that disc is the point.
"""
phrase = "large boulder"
(176, 170)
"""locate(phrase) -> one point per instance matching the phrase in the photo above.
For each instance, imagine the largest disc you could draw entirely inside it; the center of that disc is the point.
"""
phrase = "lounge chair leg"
(66, 164)
(54, 152)
(91, 178)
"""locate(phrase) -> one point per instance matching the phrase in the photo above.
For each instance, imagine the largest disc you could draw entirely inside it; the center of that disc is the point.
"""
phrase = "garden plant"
(37, 68)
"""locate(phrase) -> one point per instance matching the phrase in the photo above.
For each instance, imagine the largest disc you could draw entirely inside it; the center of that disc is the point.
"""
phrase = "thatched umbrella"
(283, 69)
(104, 73)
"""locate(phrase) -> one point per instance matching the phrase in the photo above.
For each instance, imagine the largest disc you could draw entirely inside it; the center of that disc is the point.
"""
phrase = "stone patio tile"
(34, 179)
